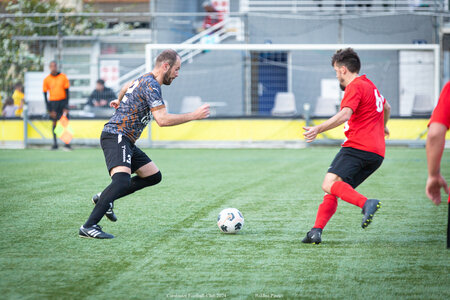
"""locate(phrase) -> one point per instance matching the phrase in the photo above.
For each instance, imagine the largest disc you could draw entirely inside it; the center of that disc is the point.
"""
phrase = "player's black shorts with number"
(120, 151)
(58, 107)
(354, 165)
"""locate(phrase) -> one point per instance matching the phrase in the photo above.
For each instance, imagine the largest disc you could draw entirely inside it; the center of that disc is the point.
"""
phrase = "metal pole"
(151, 54)
(247, 72)
(25, 125)
(153, 20)
(60, 43)
(340, 31)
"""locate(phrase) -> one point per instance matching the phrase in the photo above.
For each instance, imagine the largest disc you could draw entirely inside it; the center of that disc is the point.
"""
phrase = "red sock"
(326, 211)
(347, 193)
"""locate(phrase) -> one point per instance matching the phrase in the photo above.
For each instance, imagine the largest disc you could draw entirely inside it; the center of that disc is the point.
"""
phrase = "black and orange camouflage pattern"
(134, 112)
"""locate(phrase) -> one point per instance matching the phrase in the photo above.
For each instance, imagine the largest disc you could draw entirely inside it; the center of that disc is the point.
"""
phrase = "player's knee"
(326, 186)
(121, 180)
(158, 177)
(154, 179)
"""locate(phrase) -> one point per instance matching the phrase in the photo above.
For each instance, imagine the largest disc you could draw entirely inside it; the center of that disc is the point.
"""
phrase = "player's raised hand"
(433, 188)
(114, 103)
(202, 112)
(310, 133)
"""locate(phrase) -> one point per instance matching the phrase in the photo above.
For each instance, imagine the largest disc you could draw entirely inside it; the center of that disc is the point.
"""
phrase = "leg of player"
(448, 225)
(333, 184)
(67, 147)
(326, 210)
(146, 175)
(120, 183)
(54, 120)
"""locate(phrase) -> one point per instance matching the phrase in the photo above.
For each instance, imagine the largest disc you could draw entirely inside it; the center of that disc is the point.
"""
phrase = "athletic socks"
(138, 183)
(328, 207)
(347, 193)
(326, 211)
(54, 134)
(120, 186)
(120, 183)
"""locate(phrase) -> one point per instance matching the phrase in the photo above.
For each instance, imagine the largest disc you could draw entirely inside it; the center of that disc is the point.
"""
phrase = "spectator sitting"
(18, 97)
(101, 96)
(9, 109)
(213, 18)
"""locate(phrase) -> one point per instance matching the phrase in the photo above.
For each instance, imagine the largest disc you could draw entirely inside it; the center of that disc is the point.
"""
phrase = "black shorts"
(354, 166)
(58, 107)
(120, 151)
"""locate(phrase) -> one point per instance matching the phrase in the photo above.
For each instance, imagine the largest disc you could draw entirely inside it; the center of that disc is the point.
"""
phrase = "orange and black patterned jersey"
(134, 112)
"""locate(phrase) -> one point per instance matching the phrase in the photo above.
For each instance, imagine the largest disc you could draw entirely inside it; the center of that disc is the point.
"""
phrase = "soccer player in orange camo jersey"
(437, 128)
(366, 113)
(138, 101)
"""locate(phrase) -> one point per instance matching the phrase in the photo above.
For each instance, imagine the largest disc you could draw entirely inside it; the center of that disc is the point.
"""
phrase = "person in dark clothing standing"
(101, 96)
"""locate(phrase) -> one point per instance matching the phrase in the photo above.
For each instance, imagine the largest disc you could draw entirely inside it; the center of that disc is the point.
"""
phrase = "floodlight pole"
(247, 71)
(149, 67)
(25, 125)
(60, 42)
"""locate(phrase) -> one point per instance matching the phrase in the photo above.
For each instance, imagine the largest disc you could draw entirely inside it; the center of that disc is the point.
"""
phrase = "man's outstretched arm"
(435, 148)
(163, 118)
(338, 119)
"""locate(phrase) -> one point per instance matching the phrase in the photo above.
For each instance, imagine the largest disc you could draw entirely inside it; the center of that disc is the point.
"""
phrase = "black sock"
(120, 183)
(138, 183)
(54, 134)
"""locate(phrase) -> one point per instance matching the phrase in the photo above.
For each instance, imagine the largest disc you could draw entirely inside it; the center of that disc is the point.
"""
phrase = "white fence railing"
(230, 27)
(298, 6)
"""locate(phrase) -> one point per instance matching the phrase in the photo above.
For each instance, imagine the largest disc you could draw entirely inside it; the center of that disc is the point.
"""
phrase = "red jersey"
(441, 113)
(365, 128)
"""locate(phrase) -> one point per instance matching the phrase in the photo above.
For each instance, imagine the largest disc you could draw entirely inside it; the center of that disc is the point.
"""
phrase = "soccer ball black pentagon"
(230, 220)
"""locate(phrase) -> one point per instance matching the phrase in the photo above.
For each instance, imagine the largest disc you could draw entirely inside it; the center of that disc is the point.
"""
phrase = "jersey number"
(129, 90)
(379, 100)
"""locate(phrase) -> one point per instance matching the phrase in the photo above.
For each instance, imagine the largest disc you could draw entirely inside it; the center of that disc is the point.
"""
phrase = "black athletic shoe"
(67, 147)
(109, 213)
(313, 237)
(368, 210)
(54, 147)
(94, 232)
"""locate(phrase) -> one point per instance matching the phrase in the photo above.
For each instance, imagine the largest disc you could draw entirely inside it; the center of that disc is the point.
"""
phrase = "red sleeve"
(352, 97)
(441, 113)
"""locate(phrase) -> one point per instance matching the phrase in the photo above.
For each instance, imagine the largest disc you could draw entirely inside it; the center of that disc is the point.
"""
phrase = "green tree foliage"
(19, 53)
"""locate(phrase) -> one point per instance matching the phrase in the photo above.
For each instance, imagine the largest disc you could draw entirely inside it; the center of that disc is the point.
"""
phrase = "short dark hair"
(101, 81)
(348, 58)
(167, 56)
(18, 84)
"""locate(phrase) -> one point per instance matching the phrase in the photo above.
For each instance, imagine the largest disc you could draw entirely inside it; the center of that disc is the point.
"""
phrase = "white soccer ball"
(230, 220)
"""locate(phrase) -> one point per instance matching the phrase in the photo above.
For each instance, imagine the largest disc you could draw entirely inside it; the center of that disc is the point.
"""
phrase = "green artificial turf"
(168, 245)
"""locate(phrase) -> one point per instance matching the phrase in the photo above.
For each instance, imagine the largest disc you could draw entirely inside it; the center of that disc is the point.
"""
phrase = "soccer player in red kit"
(366, 113)
(437, 128)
